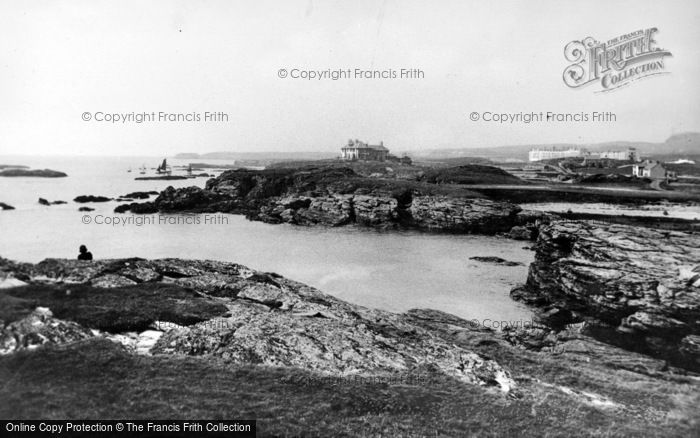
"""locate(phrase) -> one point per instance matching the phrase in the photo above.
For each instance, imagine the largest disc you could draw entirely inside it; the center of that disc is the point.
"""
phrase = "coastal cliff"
(336, 196)
(634, 287)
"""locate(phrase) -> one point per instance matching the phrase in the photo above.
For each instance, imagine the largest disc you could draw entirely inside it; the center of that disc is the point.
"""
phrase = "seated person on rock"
(84, 253)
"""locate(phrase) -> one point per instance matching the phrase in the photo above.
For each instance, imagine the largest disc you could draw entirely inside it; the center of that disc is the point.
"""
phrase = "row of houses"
(540, 154)
(553, 154)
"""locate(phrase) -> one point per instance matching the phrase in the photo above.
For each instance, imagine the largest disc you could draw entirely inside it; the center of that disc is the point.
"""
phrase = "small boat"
(189, 172)
(143, 170)
(164, 168)
(129, 171)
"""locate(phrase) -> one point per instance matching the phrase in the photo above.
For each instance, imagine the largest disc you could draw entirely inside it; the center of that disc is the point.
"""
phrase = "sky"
(61, 60)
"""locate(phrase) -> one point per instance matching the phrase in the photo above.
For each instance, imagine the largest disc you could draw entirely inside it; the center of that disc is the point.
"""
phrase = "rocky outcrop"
(43, 201)
(140, 195)
(265, 318)
(495, 260)
(461, 215)
(635, 287)
(191, 198)
(91, 198)
(384, 210)
(137, 208)
(336, 196)
(4, 206)
(42, 173)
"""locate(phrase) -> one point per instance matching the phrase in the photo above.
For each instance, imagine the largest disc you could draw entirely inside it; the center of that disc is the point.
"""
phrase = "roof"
(649, 164)
(366, 146)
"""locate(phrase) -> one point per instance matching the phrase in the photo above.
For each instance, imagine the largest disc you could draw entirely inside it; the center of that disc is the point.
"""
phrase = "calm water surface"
(387, 270)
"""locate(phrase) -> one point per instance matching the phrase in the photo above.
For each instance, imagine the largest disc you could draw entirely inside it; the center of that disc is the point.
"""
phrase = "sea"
(389, 270)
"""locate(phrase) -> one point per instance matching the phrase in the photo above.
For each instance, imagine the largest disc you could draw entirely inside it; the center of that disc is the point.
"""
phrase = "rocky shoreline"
(635, 287)
(184, 319)
(338, 196)
(216, 309)
(616, 334)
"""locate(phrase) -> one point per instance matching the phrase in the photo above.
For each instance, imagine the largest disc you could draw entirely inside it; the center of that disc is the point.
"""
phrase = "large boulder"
(40, 328)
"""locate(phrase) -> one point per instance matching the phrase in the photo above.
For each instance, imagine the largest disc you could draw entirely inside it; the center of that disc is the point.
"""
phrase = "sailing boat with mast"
(189, 171)
(164, 168)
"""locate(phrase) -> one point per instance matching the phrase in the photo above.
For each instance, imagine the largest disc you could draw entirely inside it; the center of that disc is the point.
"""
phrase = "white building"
(539, 154)
(653, 170)
(628, 155)
(553, 154)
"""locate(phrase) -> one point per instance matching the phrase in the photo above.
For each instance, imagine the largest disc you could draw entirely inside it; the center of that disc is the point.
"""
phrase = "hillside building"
(355, 150)
(652, 170)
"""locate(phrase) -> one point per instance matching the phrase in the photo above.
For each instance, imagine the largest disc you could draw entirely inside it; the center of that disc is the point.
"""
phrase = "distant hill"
(686, 143)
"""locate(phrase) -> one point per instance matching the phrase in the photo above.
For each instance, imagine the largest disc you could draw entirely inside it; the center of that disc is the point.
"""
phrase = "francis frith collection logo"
(616, 62)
